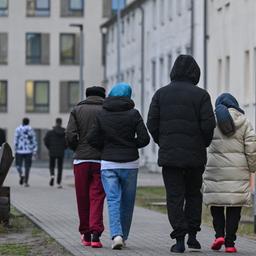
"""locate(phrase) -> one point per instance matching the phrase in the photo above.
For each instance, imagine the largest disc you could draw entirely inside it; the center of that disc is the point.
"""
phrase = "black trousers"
(184, 199)
(59, 166)
(19, 159)
(226, 227)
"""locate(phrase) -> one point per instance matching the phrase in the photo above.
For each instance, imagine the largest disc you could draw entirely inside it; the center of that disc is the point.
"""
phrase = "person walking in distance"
(181, 121)
(89, 191)
(25, 145)
(118, 132)
(55, 142)
(231, 161)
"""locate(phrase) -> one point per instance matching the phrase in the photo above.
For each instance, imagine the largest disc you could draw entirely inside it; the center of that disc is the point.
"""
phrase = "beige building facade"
(39, 60)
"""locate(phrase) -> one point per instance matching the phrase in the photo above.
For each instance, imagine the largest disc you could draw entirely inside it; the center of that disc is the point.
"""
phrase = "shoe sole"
(96, 245)
(218, 246)
(117, 247)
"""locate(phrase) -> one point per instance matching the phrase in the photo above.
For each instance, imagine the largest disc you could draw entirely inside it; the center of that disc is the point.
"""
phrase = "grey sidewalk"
(54, 210)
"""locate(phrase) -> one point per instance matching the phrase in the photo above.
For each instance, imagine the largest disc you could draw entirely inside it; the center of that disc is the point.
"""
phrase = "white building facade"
(153, 34)
(232, 51)
(39, 60)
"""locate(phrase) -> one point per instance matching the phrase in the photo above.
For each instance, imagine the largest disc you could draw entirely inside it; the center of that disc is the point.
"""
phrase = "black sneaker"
(193, 243)
(96, 243)
(179, 247)
(21, 180)
(51, 183)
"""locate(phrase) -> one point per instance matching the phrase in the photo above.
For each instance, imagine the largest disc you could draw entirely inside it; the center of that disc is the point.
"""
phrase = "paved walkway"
(54, 210)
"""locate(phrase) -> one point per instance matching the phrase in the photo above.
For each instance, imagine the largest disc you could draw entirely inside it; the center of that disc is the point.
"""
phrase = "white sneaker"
(117, 243)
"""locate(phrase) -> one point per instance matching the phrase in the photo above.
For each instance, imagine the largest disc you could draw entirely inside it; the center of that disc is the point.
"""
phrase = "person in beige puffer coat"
(231, 160)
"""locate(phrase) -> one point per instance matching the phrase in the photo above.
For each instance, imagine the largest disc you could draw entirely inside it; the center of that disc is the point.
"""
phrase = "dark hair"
(25, 121)
(58, 121)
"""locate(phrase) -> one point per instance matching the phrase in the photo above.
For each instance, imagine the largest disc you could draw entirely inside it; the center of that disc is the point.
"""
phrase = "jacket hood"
(238, 118)
(116, 104)
(92, 100)
(185, 68)
(59, 130)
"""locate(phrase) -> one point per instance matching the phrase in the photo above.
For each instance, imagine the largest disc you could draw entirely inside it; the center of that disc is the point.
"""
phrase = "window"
(3, 48)
(3, 96)
(69, 95)
(247, 75)
(37, 96)
(227, 73)
(154, 14)
(170, 9)
(38, 8)
(37, 48)
(169, 63)
(115, 4)
(162, 12)
(161, 71)
(153, 74)
(72, 8)
(178, 6)
(69, 49)
(219, 85)
(3, 8)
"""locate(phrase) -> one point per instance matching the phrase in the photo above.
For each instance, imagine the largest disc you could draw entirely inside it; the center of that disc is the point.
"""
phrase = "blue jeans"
(120, 188)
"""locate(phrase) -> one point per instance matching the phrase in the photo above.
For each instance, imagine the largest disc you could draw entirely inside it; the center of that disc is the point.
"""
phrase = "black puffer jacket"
(181, 119)
(81, 120)
(55, 141)
(119, 131)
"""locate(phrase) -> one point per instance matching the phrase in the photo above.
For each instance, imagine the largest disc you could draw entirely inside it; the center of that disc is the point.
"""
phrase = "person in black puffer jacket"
(118, 132)
(55, 142)
(181, 121)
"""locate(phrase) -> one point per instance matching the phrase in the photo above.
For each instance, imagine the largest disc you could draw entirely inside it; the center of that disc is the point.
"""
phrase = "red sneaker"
(231, 250)
(218, 242)
(85, 242)
(96, 244)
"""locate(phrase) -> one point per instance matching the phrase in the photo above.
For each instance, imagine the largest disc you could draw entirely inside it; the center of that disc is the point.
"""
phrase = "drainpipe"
(205, 43)
(142, 59)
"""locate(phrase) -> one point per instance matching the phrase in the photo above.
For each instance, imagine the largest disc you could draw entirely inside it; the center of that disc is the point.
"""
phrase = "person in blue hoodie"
(25, 145)
(118, 132)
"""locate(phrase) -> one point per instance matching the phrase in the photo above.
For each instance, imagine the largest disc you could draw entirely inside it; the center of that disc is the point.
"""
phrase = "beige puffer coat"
(230, 161)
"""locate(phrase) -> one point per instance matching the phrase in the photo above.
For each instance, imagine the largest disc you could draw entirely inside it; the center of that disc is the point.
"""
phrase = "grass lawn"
(150, 197)
(23, 238)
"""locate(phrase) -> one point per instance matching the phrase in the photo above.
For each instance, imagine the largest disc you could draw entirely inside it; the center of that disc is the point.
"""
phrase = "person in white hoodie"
(25, 145)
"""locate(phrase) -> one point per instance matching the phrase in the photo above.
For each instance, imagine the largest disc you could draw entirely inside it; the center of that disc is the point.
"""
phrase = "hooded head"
(121, 90)
(224, 119)
(95, 91)
(185, 68)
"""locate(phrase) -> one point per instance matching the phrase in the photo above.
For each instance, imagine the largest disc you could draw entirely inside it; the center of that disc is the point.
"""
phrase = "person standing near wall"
(55, 142)
(25, 145)
(89, 191)
(181, 121)
(2, 136)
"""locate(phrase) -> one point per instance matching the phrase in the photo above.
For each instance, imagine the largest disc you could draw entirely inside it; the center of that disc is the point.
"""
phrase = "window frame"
(3, 107)
(75, 9)
(37, 9)
(73, 49)
(4, 9)
(7, 44)
(42, 9)
(37, 105)
(40, 46)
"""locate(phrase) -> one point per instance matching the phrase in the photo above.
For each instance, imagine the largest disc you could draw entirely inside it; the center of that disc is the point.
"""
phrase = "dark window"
(37, 48)
(3, 7)
(38, 8)
(69, 49)
(153, 63)
(3, 96)
(72, 8)
(3, 48)
(169, 63)
(37, 96)
(69, 95)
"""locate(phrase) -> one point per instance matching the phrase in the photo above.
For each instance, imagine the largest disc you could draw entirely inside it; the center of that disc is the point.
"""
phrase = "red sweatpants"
(90, 197)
